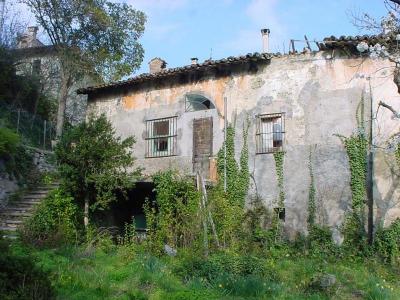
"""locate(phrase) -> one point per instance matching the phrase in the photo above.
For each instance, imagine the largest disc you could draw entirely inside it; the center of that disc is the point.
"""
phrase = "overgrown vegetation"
(20, 277)
(94, 164)
(55, 222)
(198, 246)
(174, 218)
(17, 160)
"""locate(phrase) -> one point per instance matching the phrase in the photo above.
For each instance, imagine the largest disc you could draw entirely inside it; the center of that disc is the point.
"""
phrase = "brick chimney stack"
(194, 60)
(157, 65)
(32, 32)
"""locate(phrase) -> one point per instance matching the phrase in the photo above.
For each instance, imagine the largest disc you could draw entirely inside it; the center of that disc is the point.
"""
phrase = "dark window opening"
(161, 128)
(270, 133)
(280, 211)
(161, 144)
(195, 102)
(36, 66)
(122, 211)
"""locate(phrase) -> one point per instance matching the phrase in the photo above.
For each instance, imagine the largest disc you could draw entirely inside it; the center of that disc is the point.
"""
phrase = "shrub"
(55, 221)
(387, 242)
(190, 266)
(17, 159)
(320, 240)
(174, 218)
(94, 163)
(20, 278)
(9, 141)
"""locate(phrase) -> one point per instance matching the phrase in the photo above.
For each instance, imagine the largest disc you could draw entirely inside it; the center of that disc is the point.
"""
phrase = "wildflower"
(220, 285)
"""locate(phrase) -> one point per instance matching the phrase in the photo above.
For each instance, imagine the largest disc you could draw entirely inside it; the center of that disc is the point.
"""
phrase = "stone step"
(33, 197)
(17, 208)
(7, 228)
(15, 214)
(11, 223)
(27, 202)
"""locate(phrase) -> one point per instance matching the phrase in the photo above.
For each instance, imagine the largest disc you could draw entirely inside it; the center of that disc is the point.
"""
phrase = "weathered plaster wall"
(50, 80)
(319, 97)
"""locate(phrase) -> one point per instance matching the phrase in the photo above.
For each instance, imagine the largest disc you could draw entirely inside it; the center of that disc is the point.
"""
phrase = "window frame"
(189, 104)
(153, 141)
(261, 135)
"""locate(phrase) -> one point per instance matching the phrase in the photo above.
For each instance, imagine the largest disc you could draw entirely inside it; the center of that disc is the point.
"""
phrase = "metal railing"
(161, 137)
(34, 130)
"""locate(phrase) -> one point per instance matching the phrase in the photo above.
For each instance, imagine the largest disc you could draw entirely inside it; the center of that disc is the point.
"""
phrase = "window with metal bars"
(270, 133)
(161, 136)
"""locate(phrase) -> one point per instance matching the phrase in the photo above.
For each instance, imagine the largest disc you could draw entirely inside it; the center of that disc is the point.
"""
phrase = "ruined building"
(41, 60)
(299, 103)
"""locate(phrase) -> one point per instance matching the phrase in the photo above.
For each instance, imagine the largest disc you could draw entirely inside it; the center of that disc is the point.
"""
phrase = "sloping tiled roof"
(329, 43)
(351, 42)
(175, 71)
(33, 51)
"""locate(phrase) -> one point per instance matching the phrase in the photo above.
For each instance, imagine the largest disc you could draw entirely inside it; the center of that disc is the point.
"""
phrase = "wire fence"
(34, 131)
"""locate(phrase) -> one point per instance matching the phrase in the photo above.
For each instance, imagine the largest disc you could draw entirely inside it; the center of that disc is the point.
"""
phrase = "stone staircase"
(14, 213)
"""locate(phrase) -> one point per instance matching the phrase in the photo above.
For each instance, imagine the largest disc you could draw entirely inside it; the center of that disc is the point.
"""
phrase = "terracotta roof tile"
(175, 71)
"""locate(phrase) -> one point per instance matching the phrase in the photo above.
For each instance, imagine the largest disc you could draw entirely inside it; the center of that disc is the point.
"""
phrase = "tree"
(11, 24)
(95, 38)
(95, 164)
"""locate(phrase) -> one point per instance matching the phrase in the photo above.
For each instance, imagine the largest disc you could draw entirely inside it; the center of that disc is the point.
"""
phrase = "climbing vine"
(356, 148)
(244, 173)
(278, 157)
(237, 176)
(311, 196)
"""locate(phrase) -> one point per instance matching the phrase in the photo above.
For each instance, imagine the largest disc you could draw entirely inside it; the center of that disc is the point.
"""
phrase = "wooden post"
(44, 134)
(203, 216)
(308, 43)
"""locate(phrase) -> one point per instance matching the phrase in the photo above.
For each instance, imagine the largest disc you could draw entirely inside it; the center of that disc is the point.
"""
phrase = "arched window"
(195, 102)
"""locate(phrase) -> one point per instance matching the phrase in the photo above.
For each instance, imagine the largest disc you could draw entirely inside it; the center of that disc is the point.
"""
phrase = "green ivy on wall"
(237, 176)
(278, 157)
(311, 196)
(354, 226)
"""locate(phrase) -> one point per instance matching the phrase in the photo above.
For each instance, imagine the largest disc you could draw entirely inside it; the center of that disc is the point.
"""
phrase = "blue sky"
(177, 30)
(180, 29)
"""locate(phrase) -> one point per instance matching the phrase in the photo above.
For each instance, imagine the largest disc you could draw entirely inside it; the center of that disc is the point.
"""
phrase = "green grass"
(128, 273)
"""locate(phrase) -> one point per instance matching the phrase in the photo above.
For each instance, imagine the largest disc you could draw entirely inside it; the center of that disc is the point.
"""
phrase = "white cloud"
(261, 14)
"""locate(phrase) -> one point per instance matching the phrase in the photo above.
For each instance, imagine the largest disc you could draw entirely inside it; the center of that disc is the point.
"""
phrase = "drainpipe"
(225, 127)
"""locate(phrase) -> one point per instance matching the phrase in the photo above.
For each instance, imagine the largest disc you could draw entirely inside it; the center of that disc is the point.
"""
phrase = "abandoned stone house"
(297, 103)
(38, 59)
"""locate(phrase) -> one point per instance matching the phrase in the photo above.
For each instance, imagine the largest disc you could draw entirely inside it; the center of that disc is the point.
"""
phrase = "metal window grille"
(270, 133)
(161, 137)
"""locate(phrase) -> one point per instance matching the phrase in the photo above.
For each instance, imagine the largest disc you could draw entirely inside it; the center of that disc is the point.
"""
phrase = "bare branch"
(396, 1)
(383, 104)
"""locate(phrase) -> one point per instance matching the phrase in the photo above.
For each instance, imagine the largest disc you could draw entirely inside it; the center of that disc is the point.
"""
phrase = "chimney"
(194, 60)
(157, 65)
(265, 40)
(32, 32)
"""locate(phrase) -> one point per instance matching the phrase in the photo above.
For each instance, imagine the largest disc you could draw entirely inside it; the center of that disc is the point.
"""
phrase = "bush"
(9, 141)
(387, 242)
(20, 278)
(17, 159)
(320, 240)
(55, 221)
(174, 217)
(190, 266)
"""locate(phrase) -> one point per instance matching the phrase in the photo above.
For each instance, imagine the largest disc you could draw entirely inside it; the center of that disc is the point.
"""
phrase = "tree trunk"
(62, 101)
(86, 213)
